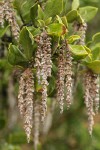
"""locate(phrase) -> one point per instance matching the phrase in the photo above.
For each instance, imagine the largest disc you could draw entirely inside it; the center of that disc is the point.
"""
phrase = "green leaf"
(34, 13)
(48, 21)
(56, 29)
(94, 66)
(73, 38)
(88, 12)
(34, 31)
(41, 23)
(64, 21)
(96, 53)
(3, 30)
(27, 41)
(96, 37)
(78, 51)
(15, 56)
(53, 8)
(40, 13)
(23, 7)
(75, 4)
(72, 15)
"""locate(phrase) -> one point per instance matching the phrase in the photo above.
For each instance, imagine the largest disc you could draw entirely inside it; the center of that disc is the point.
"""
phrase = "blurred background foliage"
(68, 131)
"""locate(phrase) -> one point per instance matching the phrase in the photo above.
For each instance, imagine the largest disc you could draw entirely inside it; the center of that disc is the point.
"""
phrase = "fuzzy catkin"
(60, 79)
(21, 95)
(89, 100)
(36, 125)
(43, 64)
(95, 90)
(68, 76)
(81, 29)
(25, 100)
(1, 14)
(10, 17)
(38, 58)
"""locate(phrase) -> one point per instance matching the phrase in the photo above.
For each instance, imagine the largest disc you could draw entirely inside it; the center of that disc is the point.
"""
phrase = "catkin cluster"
(43, 64)
(91, 97)
(1, 14)
(7, 12)
(36, 122)
(25, 99)
(61, 78)
(64, 79)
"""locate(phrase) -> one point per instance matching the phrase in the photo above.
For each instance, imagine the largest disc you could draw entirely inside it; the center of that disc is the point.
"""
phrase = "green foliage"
(88, 12)
(23, 8)
(56, 29)
(15, 56)
(53, 8)
(75, 4)
(27, 42)
(57, 18)
(3, 30)
(78, 51)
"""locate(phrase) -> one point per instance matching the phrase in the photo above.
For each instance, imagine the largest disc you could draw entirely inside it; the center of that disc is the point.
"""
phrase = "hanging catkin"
(9, 14)
(89, 100)
(60, 78)
(68, 75)
(1, 14)
(25, 100)
(36, 124)
(43, 64)
(95, 90)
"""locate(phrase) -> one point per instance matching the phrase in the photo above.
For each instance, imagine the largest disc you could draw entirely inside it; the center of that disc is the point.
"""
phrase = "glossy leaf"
(27, 40)
(40, 13)
(88, 12)
(96, 53)
(94, 66)
(56, 29)
(73, 38)
(53, 8)
(34, 13)
(75, 4)
(64, 21)
(78, 51)
(15, 56)
(23, 7)
(74, 15)
(96, 37)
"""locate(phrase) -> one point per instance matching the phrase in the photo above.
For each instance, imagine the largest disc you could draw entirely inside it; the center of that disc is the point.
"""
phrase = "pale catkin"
(9, 14)
(38, 58)
(97, 99)
(81, 29)
(89, 100)
(60, 79)
(21, 95)
(46, 66)
(36, 125)
(68, 76)
(25, 100)
(2, 14)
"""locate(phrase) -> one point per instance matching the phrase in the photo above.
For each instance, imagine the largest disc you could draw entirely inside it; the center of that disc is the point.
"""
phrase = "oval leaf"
(78, 51)
(56, 29)
(27, 40)
(88, 12)
(94, 66)
(15, 56)
(53, 8)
